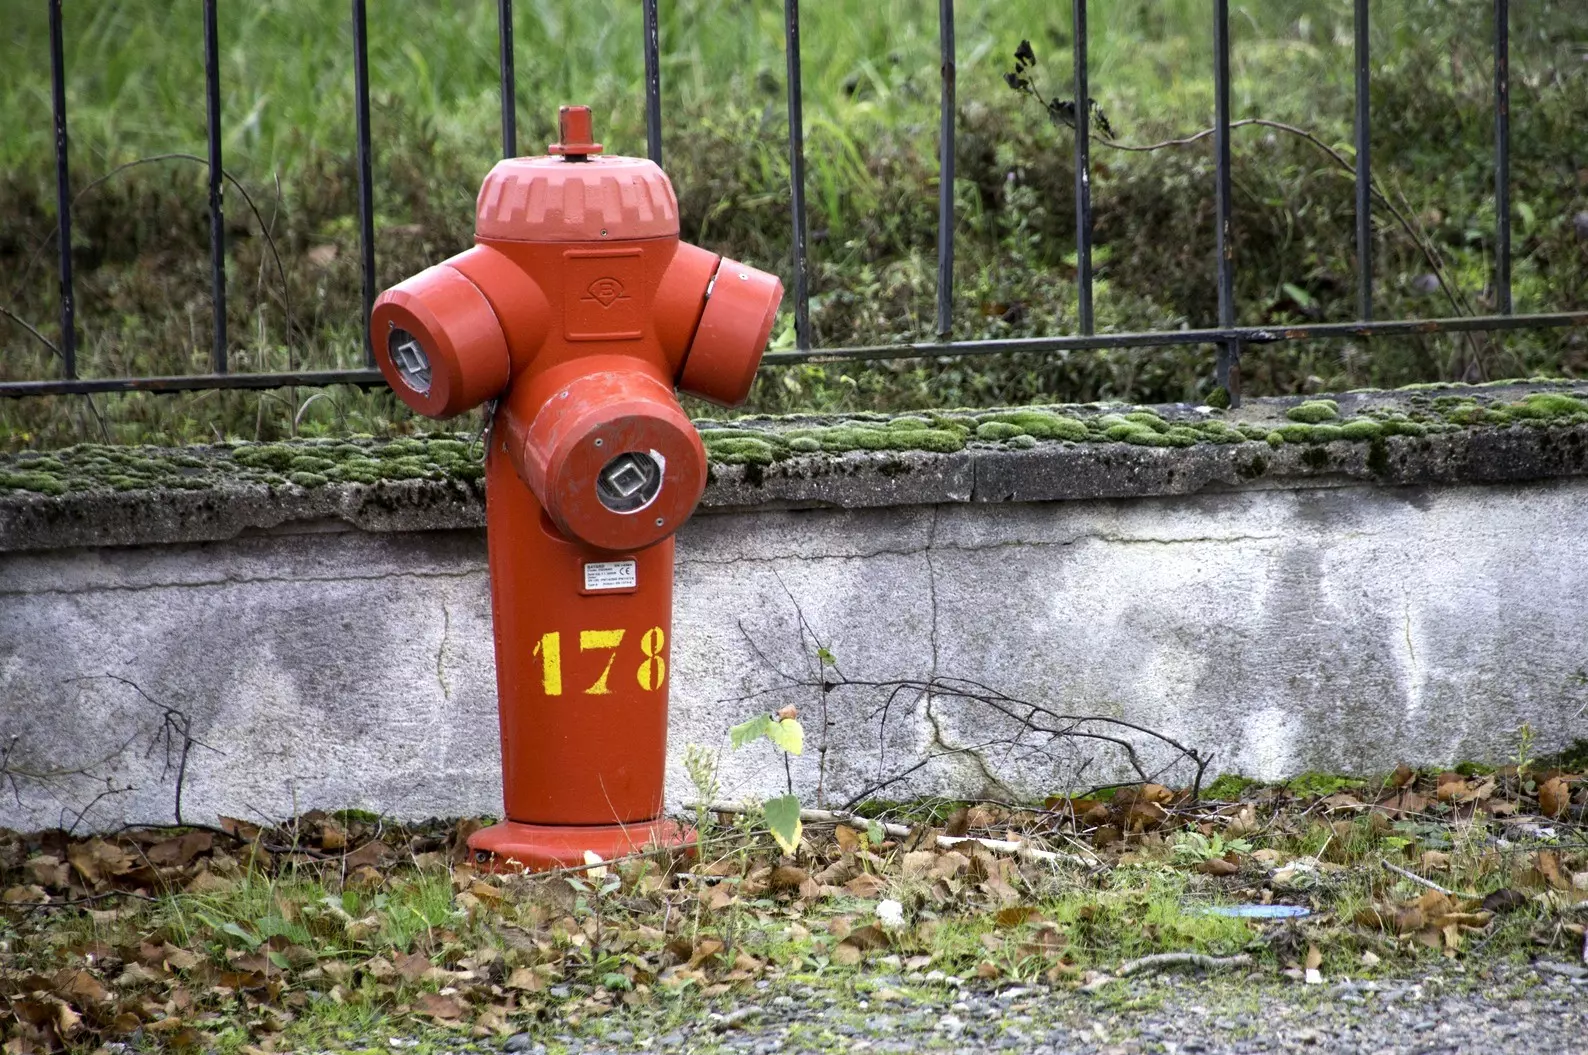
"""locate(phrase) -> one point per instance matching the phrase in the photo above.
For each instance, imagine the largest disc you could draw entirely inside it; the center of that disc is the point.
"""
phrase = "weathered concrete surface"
(1335, 626)
(227, 503)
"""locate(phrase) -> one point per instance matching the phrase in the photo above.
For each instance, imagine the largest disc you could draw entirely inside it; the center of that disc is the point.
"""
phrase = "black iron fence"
(1230, 340)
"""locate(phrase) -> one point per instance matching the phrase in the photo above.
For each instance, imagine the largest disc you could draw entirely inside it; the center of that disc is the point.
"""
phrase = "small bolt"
(482, 856)
(603, 232)
(564, 396)
(744, 275)
(390, 325)
(599, 442)
(658, 521)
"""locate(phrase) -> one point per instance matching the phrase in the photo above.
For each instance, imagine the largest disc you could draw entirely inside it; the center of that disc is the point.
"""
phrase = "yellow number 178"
(650, 675)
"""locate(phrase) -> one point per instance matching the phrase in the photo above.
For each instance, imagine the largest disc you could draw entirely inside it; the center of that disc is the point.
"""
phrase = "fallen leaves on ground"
(357, 911)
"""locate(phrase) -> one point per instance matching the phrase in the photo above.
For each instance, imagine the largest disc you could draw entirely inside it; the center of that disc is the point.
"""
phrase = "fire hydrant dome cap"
(554, 199)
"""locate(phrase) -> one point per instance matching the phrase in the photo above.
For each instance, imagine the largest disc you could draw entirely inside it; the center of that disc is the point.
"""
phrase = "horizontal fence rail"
(1230, 340)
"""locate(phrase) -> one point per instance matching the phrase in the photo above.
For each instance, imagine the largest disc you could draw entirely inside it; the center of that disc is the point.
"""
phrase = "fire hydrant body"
(579, 312)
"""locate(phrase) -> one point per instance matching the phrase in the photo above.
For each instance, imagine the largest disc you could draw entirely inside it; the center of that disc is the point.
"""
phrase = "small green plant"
(787, 735)
(701, 765)
(1194, 846)
(1524, 750)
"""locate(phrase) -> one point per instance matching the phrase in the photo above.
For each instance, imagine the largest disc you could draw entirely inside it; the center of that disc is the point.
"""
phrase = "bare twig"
(47, 906)
(1415, 878)
(898, 831)
(1161, 960)
(175, 724)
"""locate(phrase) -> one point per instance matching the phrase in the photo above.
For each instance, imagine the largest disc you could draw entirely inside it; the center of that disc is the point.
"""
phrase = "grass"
(310, 950)
(870, 76)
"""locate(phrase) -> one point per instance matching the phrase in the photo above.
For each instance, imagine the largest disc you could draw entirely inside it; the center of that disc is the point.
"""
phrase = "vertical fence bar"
(945, 170)
(1502, 155)
(212, 104)
(653, 84)
(504, 39)
(1229, 351)
(796, 162)
(366, 201)
(1364, 172)
(1083, 175)
(63, 195)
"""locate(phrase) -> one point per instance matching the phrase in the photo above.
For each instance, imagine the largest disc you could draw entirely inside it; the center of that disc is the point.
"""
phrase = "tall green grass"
(871, 95)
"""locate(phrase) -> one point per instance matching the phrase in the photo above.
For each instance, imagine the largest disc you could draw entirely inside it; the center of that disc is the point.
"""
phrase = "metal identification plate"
(610, 575)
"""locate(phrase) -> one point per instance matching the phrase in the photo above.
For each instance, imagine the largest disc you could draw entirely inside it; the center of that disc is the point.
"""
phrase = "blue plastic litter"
(1258, 911)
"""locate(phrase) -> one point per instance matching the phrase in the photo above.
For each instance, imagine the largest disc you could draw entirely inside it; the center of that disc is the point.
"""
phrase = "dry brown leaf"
(1048, 941)
(181, 850)
(526, 979)
(950, 865)
(1015, 915)
(1244, 821)
(488, 892)
(1402, 776)
(1145, 815)
(999, 890)
(1554, 797)
(1547, 864)
(97, 860)
(1434, 903)
(332, 835)
(368, 854)
(379, 968)
(1482, 791)
(80, 987)
(207, 882)
(1435, 861)
(25, 895)
(787, 878)
(846, 955)
(1218, 866)
(413, 966)
(1404, 802)
(443, 1007)
(865, 885)
(918, 863)
(1407, 919)
(1506, 900)
(847, 837)
(867, 938)
(718, 897)
(1314, 958)
(178, 958)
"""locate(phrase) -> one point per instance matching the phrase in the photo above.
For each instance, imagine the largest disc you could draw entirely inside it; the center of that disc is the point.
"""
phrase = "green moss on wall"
(758, 443)
(998, 430)
(1314, 411)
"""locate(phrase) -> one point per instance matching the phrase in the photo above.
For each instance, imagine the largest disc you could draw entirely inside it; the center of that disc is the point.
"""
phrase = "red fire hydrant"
(580, 312)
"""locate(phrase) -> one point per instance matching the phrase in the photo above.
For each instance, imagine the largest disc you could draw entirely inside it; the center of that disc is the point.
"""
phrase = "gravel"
(1540, 1008)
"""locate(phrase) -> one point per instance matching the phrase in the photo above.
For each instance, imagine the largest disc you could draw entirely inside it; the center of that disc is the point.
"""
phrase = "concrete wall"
(1298, 623)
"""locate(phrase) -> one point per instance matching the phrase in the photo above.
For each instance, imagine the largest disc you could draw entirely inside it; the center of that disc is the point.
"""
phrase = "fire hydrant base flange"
(514, 847)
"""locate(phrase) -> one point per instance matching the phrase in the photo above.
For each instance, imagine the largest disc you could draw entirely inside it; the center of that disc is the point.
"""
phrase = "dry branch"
(946, 842)
(1161, 960)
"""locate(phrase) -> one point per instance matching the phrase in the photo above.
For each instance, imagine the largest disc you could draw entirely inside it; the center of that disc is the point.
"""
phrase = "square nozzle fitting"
(439, 343)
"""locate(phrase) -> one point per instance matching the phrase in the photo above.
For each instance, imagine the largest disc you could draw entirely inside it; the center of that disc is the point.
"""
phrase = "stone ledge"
(1435, 435)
